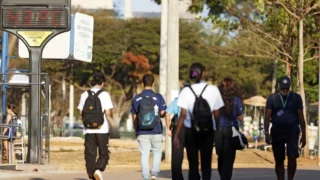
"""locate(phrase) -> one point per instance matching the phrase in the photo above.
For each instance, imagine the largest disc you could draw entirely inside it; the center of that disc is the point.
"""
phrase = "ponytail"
(196, 72)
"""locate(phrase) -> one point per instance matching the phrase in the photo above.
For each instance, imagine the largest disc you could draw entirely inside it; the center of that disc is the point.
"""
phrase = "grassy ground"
(126, 156)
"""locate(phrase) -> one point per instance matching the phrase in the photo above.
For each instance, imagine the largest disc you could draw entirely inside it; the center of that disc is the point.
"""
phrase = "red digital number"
(43, 15)
(27, 18)
(53, 18)
(13, 17)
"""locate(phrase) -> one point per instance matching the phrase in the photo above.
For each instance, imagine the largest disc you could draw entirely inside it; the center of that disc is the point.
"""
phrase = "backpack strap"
(203, 90)
(193, 91)
(98, 92)
(89, 92)
(200, 93)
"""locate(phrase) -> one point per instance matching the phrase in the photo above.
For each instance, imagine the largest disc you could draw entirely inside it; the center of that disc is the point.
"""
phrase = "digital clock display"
(34, 18)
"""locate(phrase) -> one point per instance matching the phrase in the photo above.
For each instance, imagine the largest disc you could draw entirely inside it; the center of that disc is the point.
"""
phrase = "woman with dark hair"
(198, 140)
(11, 118)
(230, 114)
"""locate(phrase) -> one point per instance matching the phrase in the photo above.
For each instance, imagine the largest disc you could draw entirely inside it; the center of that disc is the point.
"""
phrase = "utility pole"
(163, 65)
(173, 59)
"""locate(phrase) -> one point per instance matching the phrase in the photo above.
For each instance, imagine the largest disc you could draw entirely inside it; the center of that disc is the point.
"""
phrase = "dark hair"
(98, 78)
(229, 90)
(148, 80)
(12, 107)
(196, 72)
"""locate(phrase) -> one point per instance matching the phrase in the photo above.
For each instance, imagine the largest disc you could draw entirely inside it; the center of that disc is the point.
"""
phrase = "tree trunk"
(274, 76)
(301, 83)
(114, 127)
(288, 66)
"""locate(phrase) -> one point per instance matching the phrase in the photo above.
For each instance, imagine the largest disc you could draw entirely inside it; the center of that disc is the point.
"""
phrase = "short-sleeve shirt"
(187, 99)
(160, 103)
(285, 119)
(237, 111)
(173, 108)
(106, 104)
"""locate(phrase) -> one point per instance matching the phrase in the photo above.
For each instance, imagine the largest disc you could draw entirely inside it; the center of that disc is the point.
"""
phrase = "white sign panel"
(56, 48)
(83, 37)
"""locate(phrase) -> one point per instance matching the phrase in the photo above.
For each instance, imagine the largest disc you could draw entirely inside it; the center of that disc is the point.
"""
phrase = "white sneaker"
(153, 178)
(98, 175)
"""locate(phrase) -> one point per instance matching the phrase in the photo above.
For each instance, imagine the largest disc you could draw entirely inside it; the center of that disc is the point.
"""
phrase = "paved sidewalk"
(239, 174)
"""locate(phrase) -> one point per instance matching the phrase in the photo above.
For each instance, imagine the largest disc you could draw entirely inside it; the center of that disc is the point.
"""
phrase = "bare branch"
(315, 6)
(315, 13)
(286, 8)
(272, 46)
(315, 57)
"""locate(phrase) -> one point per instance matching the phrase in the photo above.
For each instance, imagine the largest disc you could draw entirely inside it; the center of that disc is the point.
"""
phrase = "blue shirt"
(285, 118)
(173, 108)
(237, 111)
(160, 103)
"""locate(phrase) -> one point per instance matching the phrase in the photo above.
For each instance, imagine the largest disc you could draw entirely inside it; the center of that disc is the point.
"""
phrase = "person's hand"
(176, 142)
(303, 141)
(268, 139)
(169, 132)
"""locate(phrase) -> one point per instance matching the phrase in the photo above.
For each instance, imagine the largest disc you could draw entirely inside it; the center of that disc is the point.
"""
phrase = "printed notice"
(35, 38)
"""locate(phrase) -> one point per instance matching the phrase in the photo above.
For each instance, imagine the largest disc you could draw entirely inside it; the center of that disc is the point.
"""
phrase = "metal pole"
(4, 63)
(34, 136)
(173, 56)
(71, 103)
(319, 108)
(47, 112)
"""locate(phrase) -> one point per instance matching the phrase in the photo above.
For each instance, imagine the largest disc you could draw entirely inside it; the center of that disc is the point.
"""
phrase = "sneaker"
(153, 178)
(98, 175)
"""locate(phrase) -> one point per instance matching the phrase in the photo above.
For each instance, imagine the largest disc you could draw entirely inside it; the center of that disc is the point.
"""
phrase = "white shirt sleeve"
(81, 102)
(106, 101)
(218, 99)
(183, 98)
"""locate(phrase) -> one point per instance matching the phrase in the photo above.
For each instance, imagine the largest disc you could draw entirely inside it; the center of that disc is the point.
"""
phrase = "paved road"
(239, 174)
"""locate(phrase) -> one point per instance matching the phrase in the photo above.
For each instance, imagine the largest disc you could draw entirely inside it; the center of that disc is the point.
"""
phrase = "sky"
(145, 6)
(141, 5)
(149, 6)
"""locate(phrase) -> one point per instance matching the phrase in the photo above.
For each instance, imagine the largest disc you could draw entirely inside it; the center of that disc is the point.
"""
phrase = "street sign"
(16, 17)
(35, 22)
(57, 48)
(83, 37)
(74, 45)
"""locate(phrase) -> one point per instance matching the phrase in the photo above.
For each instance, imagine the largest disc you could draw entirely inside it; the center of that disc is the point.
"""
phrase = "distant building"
(123, 8)
(94, 4)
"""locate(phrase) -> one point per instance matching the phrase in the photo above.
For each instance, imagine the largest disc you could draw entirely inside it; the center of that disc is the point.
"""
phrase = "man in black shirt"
(285, 111)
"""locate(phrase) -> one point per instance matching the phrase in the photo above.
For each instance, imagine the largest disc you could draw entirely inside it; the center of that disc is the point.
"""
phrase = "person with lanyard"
(198, 139)
(230, 114)
(285, 111)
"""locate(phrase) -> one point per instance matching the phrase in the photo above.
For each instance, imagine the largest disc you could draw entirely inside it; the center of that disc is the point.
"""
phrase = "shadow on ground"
(253, 174)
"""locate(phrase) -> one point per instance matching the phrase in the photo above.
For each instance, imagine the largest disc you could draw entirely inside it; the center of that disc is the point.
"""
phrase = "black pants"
(92, 141)
(177, 156)
(194, 143)
(226, 153)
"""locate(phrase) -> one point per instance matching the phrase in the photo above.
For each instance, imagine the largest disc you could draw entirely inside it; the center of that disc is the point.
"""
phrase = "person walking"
(96, 126)
(284, 110)
(176, 153)
(230, 114)
(199, 103)
(147, 109)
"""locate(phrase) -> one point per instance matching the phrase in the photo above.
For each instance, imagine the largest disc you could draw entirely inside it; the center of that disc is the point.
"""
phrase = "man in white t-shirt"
(97, 138)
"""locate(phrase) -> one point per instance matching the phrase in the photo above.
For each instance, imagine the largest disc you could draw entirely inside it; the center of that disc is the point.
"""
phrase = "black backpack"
(92, 114)
(148, 115)
(201, 116)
